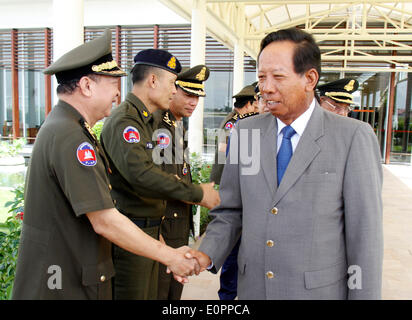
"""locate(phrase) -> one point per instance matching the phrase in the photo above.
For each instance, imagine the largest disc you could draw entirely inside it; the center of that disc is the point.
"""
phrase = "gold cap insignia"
(349, 86)
(201, 75)
(104, 66)
(172, 63)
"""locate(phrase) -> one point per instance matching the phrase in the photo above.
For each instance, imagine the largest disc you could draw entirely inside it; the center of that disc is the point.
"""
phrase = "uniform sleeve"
(81, 173)
(363, 214)
(134, 162)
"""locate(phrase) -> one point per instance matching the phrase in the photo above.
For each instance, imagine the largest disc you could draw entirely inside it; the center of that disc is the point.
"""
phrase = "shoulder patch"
(229, 125)
(163, 140)
(86, 154)
(131, 134)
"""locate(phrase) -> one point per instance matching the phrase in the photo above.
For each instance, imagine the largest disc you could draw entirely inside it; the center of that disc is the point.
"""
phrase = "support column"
(47, 77)
(118, 60)
(390, 118)
(68, 27)
(239, 49)
(15, 84)
(197, 56)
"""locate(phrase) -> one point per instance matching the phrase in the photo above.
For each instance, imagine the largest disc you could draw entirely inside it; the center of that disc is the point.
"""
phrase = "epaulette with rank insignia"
(246, 115)
(168, 121)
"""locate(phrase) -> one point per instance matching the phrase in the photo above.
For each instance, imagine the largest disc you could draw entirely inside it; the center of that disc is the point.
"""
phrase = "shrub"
(97, 129)
(200, 174)
(9, 243)
(12, 149)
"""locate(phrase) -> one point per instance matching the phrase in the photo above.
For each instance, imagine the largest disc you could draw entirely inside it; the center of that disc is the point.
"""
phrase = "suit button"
(110, 187)
(274, 210)
(175, 214)
(270, 275)
(270, 243)
(114, 202)
(103, 278)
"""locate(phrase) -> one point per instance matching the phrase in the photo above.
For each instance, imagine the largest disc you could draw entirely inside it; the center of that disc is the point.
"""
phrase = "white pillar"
(197, 56)
(68, 27)
(238, 67)
(239, 49)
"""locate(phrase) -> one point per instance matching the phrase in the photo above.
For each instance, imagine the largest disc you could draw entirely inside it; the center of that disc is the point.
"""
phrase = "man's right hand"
(182, 265)
(211, 196)
(202, 258)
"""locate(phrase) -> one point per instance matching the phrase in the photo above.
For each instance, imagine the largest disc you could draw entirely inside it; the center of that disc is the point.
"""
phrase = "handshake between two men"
(189, 261)
(193, 262)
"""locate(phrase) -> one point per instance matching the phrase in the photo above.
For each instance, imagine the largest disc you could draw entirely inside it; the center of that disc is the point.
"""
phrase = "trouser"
(136, 277)
(228, 275)
(169, 288)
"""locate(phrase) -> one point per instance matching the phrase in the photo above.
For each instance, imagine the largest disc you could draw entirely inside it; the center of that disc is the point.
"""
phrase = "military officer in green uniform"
(70, 219)
(336, 96)
(245, 106)
(178, 219)
(140, 187)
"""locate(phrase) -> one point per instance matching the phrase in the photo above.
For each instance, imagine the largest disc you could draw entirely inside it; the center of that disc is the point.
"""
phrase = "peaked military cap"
(340, 90)
(93, 57)
(246, 92)
(191, 80)
(158, 58)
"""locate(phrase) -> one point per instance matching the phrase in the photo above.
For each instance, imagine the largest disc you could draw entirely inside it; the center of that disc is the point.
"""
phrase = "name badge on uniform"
(149, 145)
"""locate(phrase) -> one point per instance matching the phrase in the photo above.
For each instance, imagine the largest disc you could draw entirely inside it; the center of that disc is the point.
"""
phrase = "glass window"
(401, 124)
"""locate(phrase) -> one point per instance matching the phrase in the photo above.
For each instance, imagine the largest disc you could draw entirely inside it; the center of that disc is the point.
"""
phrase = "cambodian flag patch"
(163, 140)
(131, 135)
(229, 125)
(86, 155)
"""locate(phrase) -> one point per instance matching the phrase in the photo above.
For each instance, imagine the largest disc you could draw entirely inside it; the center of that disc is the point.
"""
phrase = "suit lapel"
(268, 149)
(305, 152)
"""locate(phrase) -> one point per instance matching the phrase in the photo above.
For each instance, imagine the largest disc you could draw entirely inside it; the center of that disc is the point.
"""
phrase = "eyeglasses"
(347, 108)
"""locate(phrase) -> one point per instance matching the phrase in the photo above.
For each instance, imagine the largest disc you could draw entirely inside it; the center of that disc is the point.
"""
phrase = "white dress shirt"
(298, 125)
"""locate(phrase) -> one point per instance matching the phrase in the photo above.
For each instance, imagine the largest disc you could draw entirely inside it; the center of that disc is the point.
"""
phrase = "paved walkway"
(397, 265)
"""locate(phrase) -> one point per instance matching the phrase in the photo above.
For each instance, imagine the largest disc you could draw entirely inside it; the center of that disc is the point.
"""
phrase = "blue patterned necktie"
(285, 152)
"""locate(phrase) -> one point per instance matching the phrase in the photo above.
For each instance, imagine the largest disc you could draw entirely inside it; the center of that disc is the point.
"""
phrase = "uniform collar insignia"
(89, 129)
(145, 114)
(167, 120)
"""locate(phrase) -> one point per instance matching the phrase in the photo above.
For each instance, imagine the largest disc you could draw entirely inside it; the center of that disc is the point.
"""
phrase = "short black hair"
(306, 54)
(68, 86)
(241, 102)
(141, 71)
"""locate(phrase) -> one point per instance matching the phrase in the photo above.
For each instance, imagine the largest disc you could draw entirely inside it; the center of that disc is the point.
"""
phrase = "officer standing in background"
(245, 106)
(140, 187)
(69, 215)
(178, 215)
(336, 96)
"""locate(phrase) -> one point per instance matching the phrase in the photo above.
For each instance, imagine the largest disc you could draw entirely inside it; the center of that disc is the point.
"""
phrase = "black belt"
(146, 222)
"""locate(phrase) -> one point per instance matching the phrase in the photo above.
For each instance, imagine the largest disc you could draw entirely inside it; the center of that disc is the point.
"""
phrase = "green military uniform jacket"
(60, 255)
(227, 125)
(140, 187)
(178, 215)
(178, 219)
